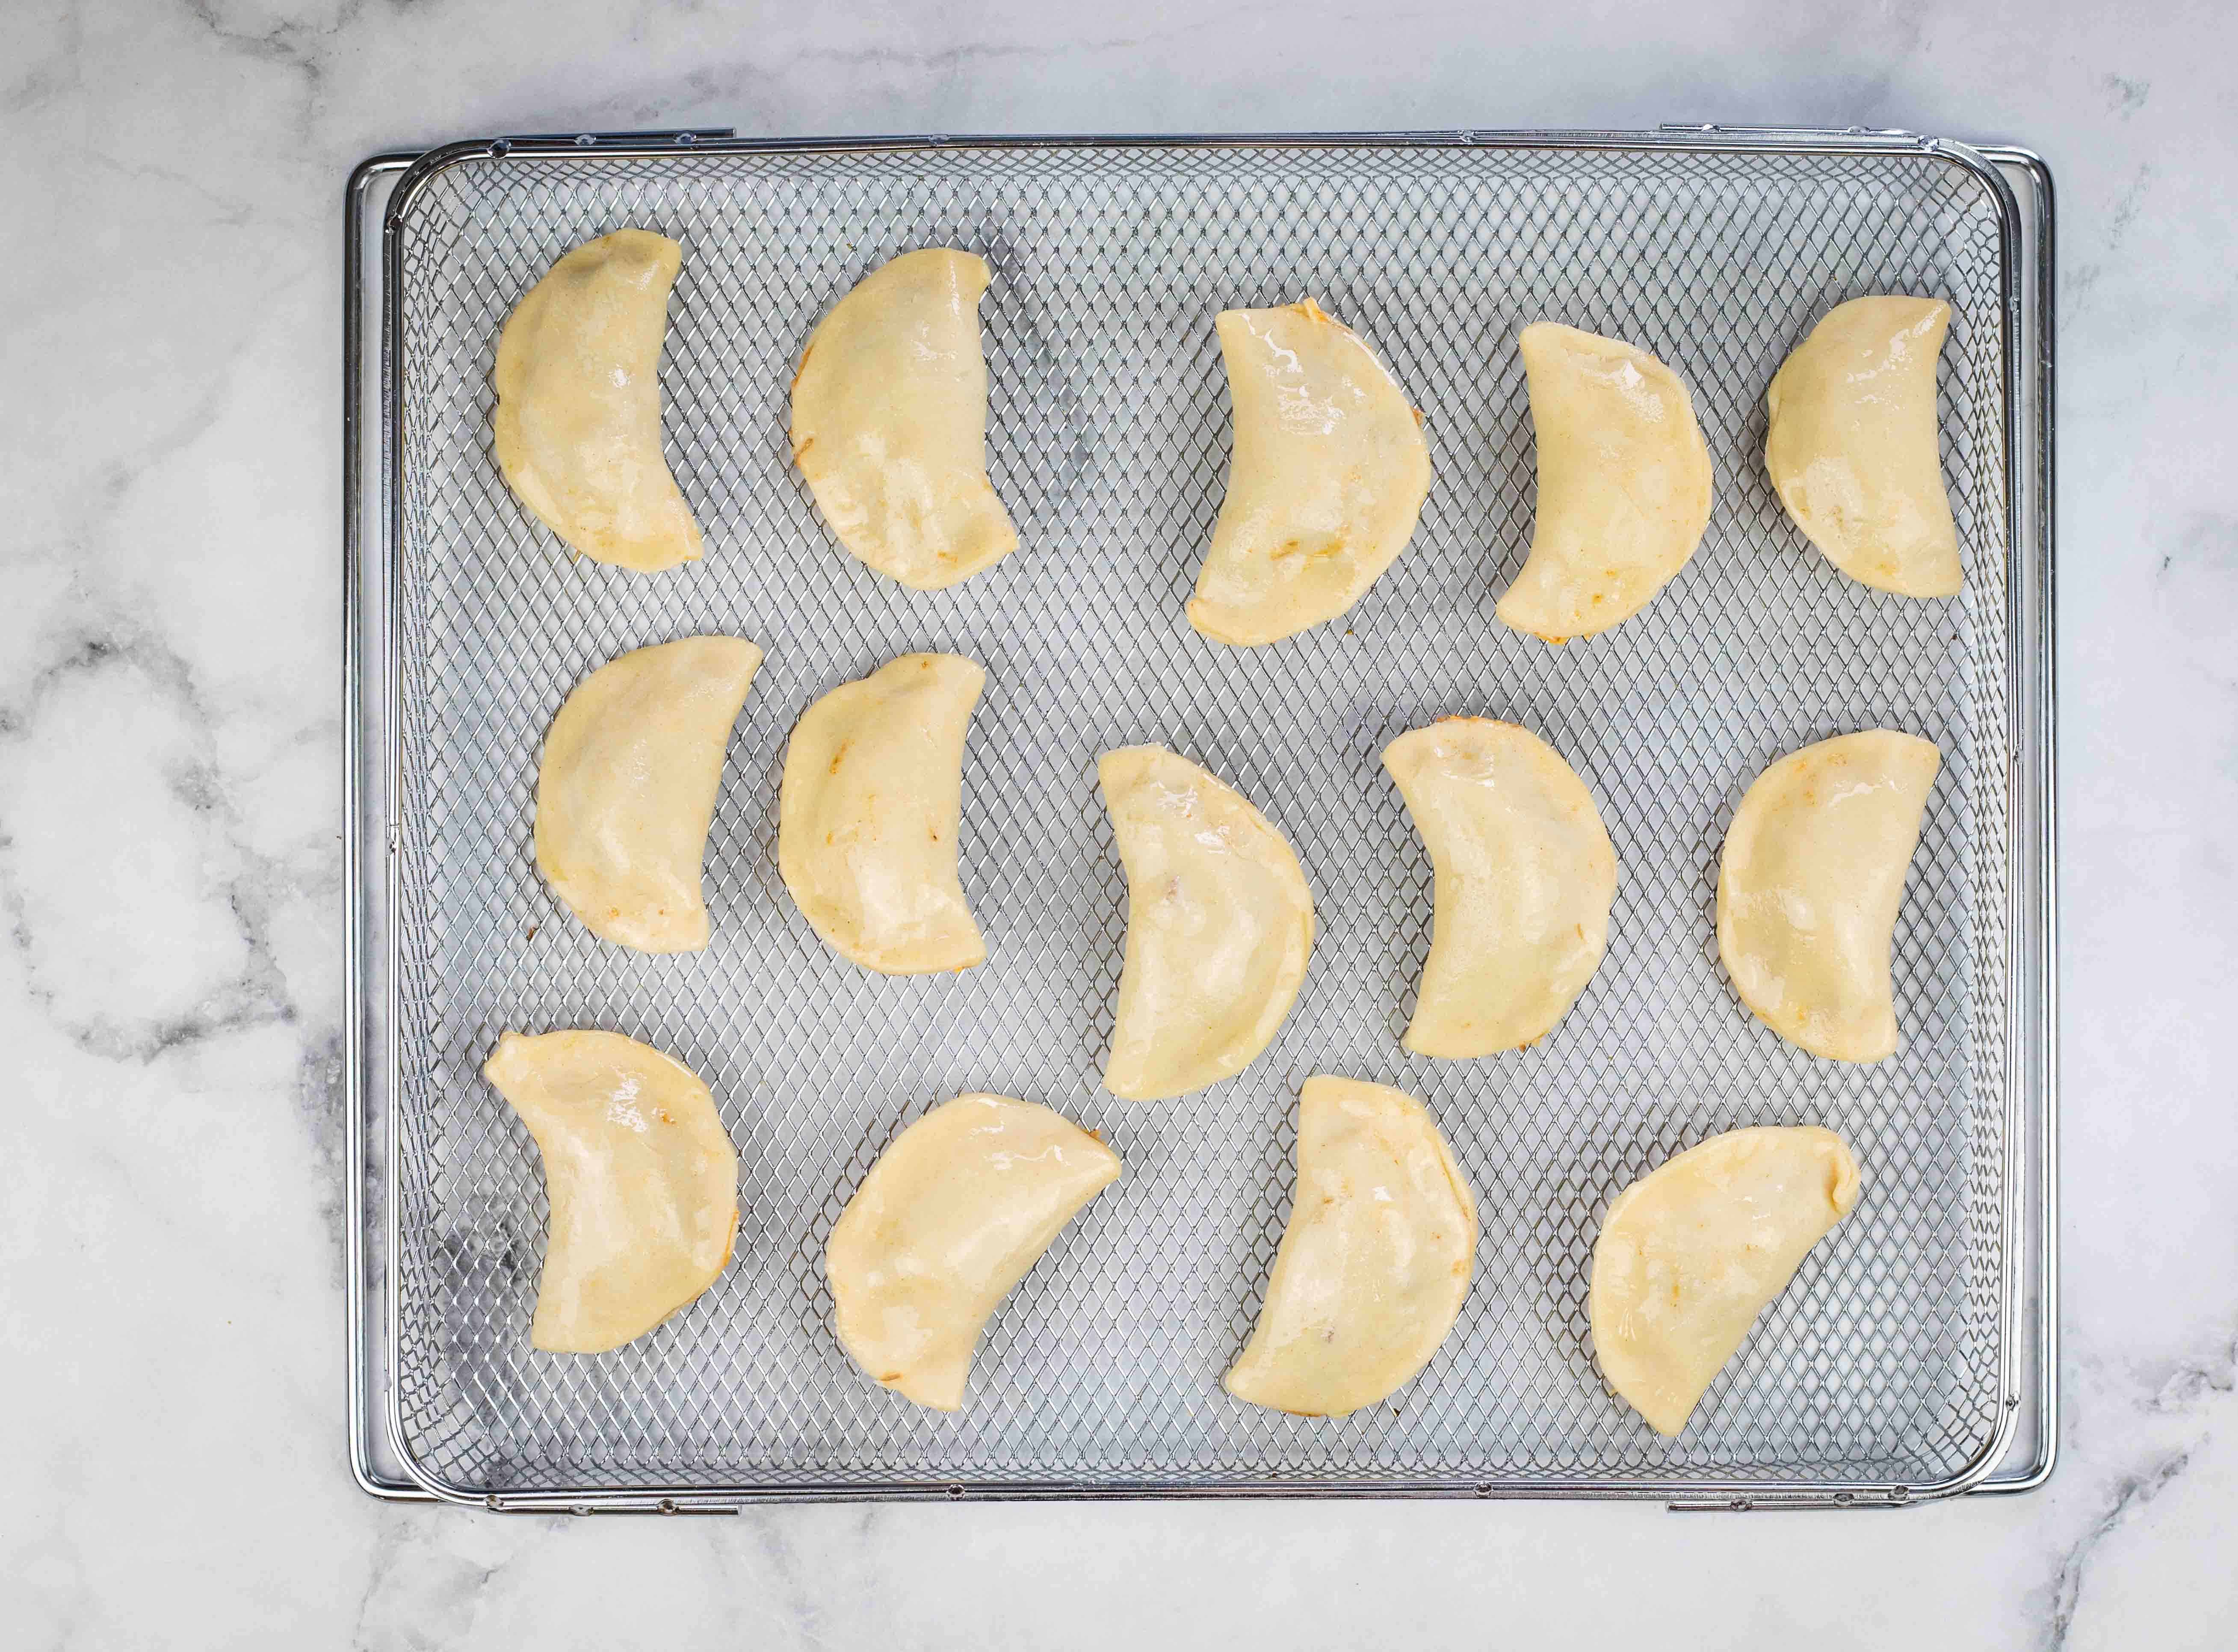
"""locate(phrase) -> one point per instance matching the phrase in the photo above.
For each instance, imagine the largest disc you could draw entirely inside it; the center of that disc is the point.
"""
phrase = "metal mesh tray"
(1891, 1370)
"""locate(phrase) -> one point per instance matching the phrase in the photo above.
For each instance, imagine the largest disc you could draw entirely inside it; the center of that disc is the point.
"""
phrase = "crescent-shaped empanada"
(868, 813)
(641, 1175)
(1809, 885)
(1327, 476)
(578, 420)
(1219, 925)
(1624, 483)
(953, 1214)
(890, 422)
(1374, 1264)
(1524, 877)
(1853, 449)
(626, 789)
(1693, 1251)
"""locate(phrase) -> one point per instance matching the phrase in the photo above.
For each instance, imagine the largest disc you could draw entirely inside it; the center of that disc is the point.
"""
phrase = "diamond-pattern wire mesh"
(1108, 440)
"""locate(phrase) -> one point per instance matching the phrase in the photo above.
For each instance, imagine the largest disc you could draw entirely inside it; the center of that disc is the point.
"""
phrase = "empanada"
(1853, 448)
(1219, 924)
(951, 1216)
(641, 1175)
(869, 813)
(1327, 478)
(1525, 876)
(1693, 1251)
(890, 422)
(1374, 1264)
(1624, 483)
(625, 789)
(578, 419)
(1811, 883)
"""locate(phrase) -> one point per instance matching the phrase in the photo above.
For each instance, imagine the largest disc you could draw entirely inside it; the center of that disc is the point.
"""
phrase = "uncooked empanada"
(1809, 885)
(626, 789)
(1219, 925)
(1693, 1251)
(1624, 483)
(1525, 876)
(952, 1215)
(578, 421)
(868, 813)
(1327, 476)
(1374, 1265)
(641, 1175)
(890, 422)
(1853, 449)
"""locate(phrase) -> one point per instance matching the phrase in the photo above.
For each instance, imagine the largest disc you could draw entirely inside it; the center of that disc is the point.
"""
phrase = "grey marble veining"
(170, 850)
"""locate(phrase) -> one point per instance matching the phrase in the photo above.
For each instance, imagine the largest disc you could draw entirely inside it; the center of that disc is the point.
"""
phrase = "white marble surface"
(170, 995)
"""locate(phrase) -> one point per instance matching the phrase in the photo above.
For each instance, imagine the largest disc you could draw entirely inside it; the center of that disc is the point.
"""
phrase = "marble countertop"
(170, 849)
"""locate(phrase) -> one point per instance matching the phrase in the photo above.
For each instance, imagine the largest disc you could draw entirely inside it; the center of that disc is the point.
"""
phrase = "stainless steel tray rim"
(1753, 1493)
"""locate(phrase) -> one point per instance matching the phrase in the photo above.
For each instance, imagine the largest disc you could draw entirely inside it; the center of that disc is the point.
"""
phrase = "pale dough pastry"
(1809, 885)
(1853, 449)
(626, 789)
(1693, 1251)
(641, 1175)
(578, 421)
(868, 815)
(1374, 1264)
(1327, 476)
(1219, 925)
(890, 422)
(951, 1217)
(1525, 876)
(1624, 483)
